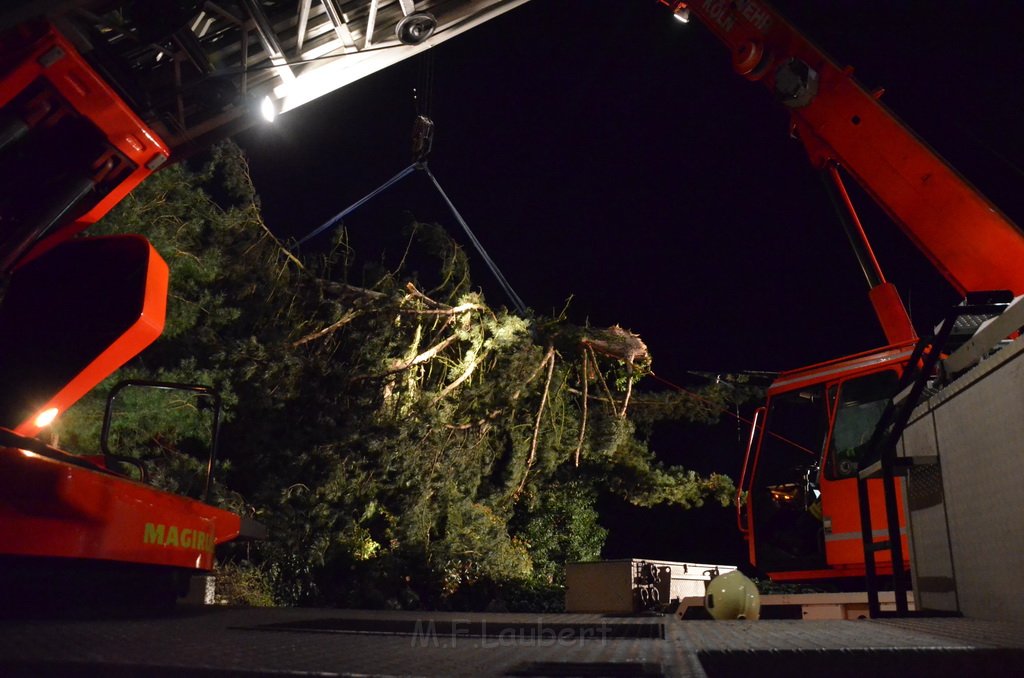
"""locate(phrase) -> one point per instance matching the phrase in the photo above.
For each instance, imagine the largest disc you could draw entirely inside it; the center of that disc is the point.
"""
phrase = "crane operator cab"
(799, 480)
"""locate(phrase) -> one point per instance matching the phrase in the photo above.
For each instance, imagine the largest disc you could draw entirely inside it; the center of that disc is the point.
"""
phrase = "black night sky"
(602, 150)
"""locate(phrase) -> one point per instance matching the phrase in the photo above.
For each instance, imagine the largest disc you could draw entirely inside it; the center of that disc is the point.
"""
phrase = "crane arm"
(965, 236)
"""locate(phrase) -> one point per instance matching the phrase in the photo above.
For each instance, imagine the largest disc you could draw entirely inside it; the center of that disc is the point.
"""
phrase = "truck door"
(860, 403)
(785, 535)
(802, 501)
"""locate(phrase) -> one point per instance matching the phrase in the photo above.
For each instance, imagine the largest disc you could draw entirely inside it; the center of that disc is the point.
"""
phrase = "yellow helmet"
(732, 596)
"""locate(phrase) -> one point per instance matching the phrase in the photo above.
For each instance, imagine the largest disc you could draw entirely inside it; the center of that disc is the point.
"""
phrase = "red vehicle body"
(70, 149)
(800, 515)
(798, 497)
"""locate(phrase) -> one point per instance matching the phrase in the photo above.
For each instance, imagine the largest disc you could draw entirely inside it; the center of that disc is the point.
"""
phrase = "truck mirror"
(70, 317)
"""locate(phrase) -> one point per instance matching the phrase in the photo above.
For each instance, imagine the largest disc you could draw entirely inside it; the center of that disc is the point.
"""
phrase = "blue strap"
(516, 301)
(356, 205)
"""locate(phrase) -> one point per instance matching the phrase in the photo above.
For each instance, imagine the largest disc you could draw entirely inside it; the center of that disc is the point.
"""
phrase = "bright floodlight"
(268, 109)
(46, 417)
(683, 15)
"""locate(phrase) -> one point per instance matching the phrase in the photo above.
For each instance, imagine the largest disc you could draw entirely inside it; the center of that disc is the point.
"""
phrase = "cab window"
(861, 404)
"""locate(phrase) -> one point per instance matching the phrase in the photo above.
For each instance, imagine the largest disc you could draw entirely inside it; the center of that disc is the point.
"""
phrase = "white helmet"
(732, 596)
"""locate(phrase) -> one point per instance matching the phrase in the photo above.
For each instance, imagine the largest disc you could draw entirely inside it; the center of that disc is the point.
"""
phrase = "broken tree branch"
(583, 422)
(616, 342)
(345, 319)
(549, 358)
(608, 391)
(462, 377)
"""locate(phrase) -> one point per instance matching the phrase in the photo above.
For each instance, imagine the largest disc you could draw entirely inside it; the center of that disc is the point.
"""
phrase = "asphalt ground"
(221, 641)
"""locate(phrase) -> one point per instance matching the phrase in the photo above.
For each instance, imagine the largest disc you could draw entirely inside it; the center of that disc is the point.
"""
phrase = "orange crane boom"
(961, 232)
(831, 410)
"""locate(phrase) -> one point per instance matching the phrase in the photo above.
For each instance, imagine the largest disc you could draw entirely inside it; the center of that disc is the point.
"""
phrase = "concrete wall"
(967, 515)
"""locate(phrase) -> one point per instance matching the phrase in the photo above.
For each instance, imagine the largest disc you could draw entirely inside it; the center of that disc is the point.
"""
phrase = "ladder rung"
(900, 466)
(902, 395)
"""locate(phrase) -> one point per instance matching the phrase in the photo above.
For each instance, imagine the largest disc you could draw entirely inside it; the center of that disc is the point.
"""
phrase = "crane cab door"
(784, 535)
(860, 403)
(803, 520)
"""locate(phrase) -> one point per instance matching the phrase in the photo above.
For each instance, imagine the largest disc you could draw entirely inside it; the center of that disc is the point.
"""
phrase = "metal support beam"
(371, 21)
(340, 25)
(268, 38)
(300, 29)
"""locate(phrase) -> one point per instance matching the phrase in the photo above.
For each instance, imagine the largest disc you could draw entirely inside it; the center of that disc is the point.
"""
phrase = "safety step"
(978, 310)
(990, 336)
(930, 389)
(901, 466)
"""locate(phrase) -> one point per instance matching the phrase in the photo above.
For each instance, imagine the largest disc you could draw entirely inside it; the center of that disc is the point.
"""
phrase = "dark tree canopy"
(406, 443)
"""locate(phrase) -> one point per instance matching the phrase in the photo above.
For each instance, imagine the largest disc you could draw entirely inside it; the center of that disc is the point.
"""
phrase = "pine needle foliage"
(406, 447)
